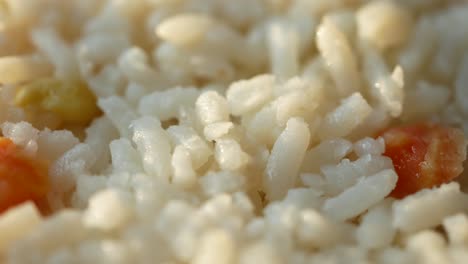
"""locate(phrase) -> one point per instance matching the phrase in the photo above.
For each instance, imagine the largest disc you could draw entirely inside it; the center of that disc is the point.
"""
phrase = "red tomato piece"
(424, 155)
(21, 178)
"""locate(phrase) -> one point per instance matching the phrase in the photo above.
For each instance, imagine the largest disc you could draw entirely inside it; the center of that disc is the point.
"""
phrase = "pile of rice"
(234, 131)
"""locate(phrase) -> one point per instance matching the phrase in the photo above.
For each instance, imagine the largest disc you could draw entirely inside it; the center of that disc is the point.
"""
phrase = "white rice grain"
(456, 227)
(369, 146)
(345, 118)
(345, 20)
(211, 108)
(360, 197)
(98, 136)
(107, 82)
(299, 103)
(198, 148)
(50, 236)
(184, 29)
(124, 157)
(76, 161)
(327, 152)
(345, 174)
(386, 87)
(376, 230)
(217, 130)
(216, 247)
(259, 253)
(263, 126)
(427, 208)
(22, 134)
(284, 49)
(53, 144)
(215, 183)
(108, 210)
(418, 49)
(248, 95)
(134, 65)
(316, 230)
(86, 187)
(183, 173)
(102, 48)
(166, 104)
(104, 251)
(119, 112)
(384, 23)
(303, 198)
(154, 147)
(339, 58)
(313, 181)
(429, 247)
(285, 159)
(16, 223)
(57, 51)
(229, 155)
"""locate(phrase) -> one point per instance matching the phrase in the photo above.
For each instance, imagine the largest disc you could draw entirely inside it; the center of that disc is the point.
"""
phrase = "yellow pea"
(34, 92)
(73, 102)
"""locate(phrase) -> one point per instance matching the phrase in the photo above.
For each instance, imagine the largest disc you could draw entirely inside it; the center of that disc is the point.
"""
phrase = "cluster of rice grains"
(222, 131)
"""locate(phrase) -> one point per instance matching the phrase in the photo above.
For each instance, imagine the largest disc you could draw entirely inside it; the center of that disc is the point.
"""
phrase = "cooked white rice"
(234, 131)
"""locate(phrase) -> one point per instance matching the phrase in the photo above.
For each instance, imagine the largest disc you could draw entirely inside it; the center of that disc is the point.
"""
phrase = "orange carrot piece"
(21, 178)
(424, 155)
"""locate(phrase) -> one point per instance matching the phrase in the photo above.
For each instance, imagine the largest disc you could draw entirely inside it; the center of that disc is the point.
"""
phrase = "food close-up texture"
(233, 131)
